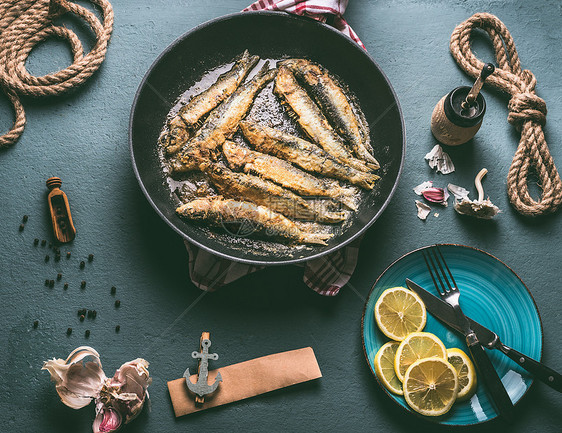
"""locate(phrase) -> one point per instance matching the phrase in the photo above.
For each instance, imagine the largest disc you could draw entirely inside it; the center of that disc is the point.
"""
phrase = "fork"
(445, 284)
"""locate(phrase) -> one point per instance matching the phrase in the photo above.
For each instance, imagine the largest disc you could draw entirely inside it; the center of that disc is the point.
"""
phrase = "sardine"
(244, 186)
(331, 98)
(303, 153)
(286, 174)
(223, 212)
(311, 119)
(222, 122)
(182, 125)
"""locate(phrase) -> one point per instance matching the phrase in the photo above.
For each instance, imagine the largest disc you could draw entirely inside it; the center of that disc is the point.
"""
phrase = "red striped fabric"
(328, 274)
(316, 9)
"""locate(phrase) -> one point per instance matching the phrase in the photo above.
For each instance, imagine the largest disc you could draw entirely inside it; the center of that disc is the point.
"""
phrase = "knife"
(445, 313)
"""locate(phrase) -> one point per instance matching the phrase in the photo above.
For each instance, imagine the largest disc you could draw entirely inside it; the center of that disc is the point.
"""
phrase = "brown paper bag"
(248, 379)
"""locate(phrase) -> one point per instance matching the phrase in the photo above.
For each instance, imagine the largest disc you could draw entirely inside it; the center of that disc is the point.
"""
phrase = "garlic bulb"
(80, 379)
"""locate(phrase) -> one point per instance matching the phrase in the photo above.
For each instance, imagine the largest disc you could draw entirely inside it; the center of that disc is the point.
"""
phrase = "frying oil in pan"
(266, 110)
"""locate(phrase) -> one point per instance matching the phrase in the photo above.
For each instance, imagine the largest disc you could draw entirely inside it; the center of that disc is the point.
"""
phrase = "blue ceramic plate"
(492, 294)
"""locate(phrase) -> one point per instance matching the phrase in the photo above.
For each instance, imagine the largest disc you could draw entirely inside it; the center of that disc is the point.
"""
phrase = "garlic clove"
(107, 419)
(436, 195)
(79, 378)
(131, 380)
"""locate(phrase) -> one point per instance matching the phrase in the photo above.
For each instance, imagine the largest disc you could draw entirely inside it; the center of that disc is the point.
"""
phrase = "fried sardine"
(181, 126)
(312, 120)
(221, 123)
(222, 212)
(263, 192)
(335, 104)
(286, 174)
(303, 153)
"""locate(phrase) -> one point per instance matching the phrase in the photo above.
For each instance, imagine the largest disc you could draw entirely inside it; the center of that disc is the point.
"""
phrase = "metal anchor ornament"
(201, 388)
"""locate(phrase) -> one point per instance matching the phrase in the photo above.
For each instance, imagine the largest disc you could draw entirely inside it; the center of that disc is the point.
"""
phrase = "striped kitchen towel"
(326, 11)
(325, 275)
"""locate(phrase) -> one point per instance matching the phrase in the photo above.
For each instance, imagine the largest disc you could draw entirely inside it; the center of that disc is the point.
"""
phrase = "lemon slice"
(465, 372)
(417, 345)
(431, 386)
(398, 312)
(384, 367)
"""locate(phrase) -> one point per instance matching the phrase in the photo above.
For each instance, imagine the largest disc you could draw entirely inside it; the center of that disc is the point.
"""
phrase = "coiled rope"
(24, 24)
(527, 112)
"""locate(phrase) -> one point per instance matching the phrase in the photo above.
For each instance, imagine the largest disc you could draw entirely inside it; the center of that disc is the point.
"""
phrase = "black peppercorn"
(90, 314)
(94, 314)
(22, 226)
(57, 258)
(52, 284)
(113, 290)
(36, 324)
(83, 284)
(43, 242)
(117, 303)
(82, 264)
(47, 282)
(59, 276)
(35, 241)
(87, 333)
(82, 317)
(90, 257)
(117, 328)
(65, 286)
(25, 218)
(69, 331)
(47, 258)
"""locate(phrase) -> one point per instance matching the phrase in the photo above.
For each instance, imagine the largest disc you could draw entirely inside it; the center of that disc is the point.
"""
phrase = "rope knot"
(524, 107)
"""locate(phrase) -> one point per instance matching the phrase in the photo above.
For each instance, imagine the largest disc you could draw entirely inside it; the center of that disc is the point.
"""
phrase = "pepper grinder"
(457, 116)
(60, 211)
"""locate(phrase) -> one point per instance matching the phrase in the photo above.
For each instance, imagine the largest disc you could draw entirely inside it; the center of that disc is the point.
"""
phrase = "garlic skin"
(80, 379)
(423, 210)
(440, 160)
(423, 186)
(458, 191)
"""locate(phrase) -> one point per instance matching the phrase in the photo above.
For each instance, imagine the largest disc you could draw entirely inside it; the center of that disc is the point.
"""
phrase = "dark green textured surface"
(82, 138)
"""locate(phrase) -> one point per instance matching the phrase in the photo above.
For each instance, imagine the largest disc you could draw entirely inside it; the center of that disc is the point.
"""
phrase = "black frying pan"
(273, 35)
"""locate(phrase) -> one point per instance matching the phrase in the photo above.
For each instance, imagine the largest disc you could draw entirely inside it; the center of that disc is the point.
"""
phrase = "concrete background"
(82, 137)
